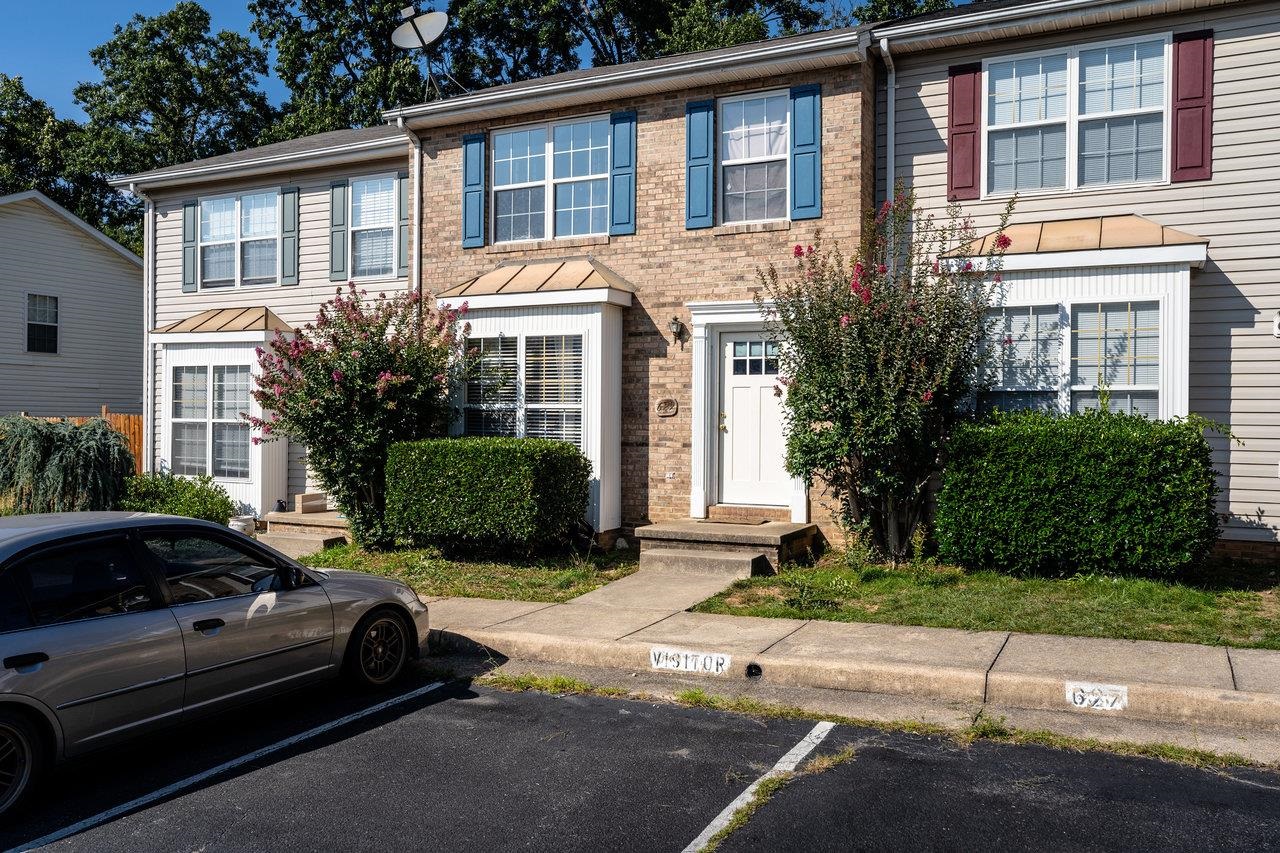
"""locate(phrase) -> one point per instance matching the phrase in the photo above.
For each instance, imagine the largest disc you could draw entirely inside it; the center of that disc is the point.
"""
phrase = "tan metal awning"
(259, 319)
(553, 276)
(1086, 234)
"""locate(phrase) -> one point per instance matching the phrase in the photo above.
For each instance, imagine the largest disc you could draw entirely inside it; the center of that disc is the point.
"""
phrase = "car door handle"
(31, 659)
(208, 624)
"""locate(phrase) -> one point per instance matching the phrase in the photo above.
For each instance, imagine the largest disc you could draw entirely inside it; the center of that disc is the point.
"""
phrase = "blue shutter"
(338, 231)
(806, 152)
(473, 221)
(289, 236)
(700, 164)
(402, 232)
(622, 173)
(189, 246)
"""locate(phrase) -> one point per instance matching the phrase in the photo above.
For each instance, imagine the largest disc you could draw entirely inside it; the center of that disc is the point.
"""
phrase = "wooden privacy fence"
(130, 426)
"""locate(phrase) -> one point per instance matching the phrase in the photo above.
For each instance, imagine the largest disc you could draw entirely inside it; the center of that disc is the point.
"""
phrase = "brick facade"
(667, 264)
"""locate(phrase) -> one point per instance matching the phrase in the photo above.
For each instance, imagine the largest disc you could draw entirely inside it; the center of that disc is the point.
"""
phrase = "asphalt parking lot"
(463, 768)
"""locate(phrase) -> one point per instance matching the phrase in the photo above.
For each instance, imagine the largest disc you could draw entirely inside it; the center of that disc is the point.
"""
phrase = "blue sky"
(47, 42)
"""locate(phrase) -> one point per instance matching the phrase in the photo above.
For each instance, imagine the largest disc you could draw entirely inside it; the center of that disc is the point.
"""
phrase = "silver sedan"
(114, 623)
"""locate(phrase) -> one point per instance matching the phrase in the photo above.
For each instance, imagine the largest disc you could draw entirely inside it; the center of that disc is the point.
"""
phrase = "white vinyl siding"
(569, 199)
(528, 386)
(754, 143)
(239, 240)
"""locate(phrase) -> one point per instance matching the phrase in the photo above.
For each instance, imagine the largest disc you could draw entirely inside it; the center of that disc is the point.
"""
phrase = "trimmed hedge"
(467, 492)
(1114, 494)
(192, 497)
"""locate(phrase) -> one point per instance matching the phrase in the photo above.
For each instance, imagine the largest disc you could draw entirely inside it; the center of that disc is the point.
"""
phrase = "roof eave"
(760, 59)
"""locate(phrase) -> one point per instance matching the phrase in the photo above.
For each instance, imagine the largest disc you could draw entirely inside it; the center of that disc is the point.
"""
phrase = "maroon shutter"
(1192, 154)
(964, 128)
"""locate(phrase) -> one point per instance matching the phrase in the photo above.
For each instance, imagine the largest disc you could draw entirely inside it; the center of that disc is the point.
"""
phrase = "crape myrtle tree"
(370, 371)
(883, 354)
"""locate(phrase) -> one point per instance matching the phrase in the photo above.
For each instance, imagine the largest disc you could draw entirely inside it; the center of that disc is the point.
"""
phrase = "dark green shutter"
(622, 173)
(338, 231)
(700, 164)
(473, 217)
(189, 251)
(806, 152)
(402, 205)
(289, 236)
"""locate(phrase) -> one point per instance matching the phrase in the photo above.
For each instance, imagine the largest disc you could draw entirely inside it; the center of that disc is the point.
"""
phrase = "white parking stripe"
(190, 781)
(785, 764)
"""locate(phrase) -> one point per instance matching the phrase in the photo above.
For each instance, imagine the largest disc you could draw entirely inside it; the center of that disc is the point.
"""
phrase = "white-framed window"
(1088, 116)
(1059, 356)
(42, 323)
(753, 150)
(530, 386)
(374, 220)
(240, 240)
(207, 433)
(551, 180)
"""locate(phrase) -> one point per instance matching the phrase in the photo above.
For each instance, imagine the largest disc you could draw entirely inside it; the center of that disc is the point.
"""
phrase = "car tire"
(22, 758)
(379, 649)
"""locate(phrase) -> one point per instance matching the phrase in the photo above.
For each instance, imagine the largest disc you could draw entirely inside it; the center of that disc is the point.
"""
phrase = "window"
(755, 358)
(569, 200)
(207, 433)
(754, 140)
(1116, 346)
(1085, 117)
(1024, 351)
(240, 240)
(374, 219)
(201, 568)
(14, 615)
(546, 404)
(42, 323)
(82, 581)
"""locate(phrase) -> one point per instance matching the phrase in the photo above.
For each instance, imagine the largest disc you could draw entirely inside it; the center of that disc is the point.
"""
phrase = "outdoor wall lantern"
(676, 327)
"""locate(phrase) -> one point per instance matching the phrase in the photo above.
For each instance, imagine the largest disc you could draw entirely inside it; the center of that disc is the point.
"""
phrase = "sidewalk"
(640, 624)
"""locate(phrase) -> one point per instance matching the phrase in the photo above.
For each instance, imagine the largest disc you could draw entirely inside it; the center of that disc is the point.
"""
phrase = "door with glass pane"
(752, 440)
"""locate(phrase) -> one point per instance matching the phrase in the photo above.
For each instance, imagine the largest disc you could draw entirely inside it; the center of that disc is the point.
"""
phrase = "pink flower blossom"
(256, 441)
(882, 269)
(968, 266)
(1003, 242)
(844, 321)
(927, 397)
(997, 278)
(936, 267)
(1008, 340)
(798, 251)
(337, 376)
(808, 250)
(865, 295)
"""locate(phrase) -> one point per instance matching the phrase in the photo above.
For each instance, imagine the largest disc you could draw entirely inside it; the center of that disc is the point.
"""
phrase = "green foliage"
(192, 497)
(57, 466)
(486, 492)
(1094, 493)
(880, 362)
(707, 24)
(367, 373)
(873, 11)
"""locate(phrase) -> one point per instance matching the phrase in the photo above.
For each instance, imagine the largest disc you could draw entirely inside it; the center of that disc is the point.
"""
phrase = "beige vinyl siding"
(1233, 356)
(295, 304)
(99, 358)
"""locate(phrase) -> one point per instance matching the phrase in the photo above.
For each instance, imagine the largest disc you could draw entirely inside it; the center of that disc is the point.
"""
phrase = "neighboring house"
(605, 228)
(1141, 141)
(70, 313)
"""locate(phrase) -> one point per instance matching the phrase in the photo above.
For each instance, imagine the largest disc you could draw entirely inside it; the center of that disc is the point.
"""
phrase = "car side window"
(14, 615)
(82, 581)
(201, 568)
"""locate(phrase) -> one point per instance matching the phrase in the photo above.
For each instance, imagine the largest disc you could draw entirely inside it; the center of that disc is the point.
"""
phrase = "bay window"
(240, 240)
(754, 145)
(208, 434)
(570, 199)
(373, 227)
(1082, 117)
(1023, 347)
(529, 386)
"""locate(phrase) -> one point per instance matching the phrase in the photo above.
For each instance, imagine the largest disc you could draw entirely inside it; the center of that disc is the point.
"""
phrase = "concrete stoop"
(297, 545)
(732, 565)
(305, 531)
(775, 542)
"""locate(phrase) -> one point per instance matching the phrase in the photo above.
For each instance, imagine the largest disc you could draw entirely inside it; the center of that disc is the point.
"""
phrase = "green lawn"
(1229, 605)
(550, 578)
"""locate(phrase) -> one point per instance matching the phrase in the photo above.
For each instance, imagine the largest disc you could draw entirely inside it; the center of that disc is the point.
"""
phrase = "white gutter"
(415, 230)
(148, 323)
(891, 98)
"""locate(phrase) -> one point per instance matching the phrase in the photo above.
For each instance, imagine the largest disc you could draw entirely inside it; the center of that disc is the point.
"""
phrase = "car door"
(99, 646)
(245, 634)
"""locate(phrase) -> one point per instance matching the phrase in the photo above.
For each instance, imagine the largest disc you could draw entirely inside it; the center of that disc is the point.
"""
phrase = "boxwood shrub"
(193, 497)
(1037, 493)
(486, 492)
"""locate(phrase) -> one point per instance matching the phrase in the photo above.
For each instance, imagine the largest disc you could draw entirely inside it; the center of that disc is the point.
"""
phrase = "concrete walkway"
(640, 624)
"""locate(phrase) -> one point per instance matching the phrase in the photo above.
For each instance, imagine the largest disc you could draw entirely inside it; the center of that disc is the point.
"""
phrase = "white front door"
(752, 444)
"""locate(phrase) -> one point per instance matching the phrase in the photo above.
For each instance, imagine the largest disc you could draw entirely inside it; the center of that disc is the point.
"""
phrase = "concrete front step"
(731, 564)
(779, 541)
(297, 545)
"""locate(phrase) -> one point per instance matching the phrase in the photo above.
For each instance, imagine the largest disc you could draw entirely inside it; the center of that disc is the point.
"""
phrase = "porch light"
(676, 328)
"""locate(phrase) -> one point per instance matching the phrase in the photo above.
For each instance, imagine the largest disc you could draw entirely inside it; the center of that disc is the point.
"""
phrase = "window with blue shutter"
(622, 173)
(473, 215)
(699, 169)
(806, 152)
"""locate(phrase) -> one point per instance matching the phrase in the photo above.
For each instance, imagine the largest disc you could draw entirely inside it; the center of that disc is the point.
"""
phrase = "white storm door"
(752, 443)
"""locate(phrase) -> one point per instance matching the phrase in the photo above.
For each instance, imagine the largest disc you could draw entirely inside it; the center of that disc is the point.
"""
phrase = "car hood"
(345, 584)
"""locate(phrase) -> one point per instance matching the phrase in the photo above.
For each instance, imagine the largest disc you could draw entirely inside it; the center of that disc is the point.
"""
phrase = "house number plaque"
(667, 407)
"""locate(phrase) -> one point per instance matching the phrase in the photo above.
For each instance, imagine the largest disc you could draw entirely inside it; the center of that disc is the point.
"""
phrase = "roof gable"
(61, 212)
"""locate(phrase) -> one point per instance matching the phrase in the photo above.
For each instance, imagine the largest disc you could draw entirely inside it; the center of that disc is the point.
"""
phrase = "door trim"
(708, 320)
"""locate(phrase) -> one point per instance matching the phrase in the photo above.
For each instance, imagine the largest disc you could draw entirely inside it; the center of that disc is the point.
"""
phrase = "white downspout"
(148, 323)
(415, 230)
(891, 96)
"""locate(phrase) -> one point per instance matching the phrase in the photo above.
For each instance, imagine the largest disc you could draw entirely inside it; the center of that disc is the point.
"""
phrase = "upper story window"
(42, 323)
(754, 144)
(569, 199)
(373, 227)
(240, 240)
(1083, 117)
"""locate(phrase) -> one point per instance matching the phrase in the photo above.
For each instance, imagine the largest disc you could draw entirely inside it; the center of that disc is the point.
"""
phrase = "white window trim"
(208, 420)
(739, 161)
(1073, 118)
(521, 405)
(351, 228)
(27, 321)
(548, 182)
(238, 240)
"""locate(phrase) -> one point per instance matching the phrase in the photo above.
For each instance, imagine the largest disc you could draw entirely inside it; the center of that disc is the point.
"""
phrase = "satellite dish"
(420, 30)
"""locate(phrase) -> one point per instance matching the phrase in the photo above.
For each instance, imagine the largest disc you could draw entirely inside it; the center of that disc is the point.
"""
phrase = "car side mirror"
(290, 577)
